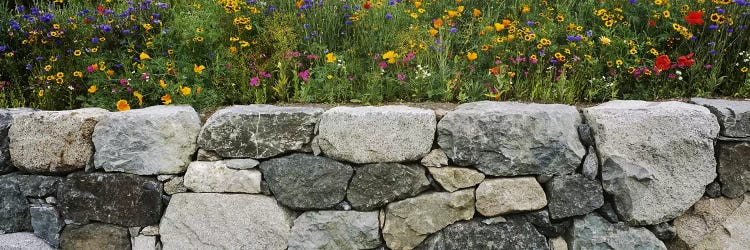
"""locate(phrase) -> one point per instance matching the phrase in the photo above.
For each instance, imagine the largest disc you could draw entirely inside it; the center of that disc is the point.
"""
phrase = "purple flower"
(388, 16)
(713, 27)
(453, 30)
(254, 81)
(95, 40)
(106, 27)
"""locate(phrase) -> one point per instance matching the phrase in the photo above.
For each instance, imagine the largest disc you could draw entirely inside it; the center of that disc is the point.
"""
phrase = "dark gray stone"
(304, 182)
(375, 185)
(590, 166)
(713, 189)
(734, 167)
(584, 134)
(607, 211)
(541, 221)
(594, 232)
(474, 234)
(663, 231)
(14, 209)
(47, 224)
(95, 236)
(733, 116)
(34, 185)
(116, 198)
(573, 195)
(258, 131)
(511, 139)
(5, 121)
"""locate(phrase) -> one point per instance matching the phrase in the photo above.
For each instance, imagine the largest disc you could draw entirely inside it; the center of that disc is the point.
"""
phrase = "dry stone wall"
(486, 175)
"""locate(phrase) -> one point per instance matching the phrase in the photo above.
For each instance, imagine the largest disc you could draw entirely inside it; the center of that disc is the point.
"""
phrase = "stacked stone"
(487, 175)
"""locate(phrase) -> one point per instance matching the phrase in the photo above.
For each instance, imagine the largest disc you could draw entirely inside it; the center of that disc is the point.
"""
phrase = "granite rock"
(733, 116)
(510, 139)
(594, 232)
(216, 177)
(143, 242)
(584, 134)
(720, 223)
(54, 141)
(375, 185)
(241, 164)
(335, 230)
(663, 231)
(305, 182)
(509, 195)
(734, 167)
(657, 158)
(258, 131)
(474, 234)
(14, 209)
(175, 185)
(95, 236)
(150, 141)
(541, 221)
(47, 224)
(590, 166)
(713, 190)
(22, 241)
(225, 221)
(436, 158)
(376, 134)
(453, 178)
(573, 195)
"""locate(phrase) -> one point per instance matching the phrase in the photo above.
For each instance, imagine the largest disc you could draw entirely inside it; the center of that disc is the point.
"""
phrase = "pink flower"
(401, 77)
(305, 75)
(90, 68)
(383, 65)
(254, 81)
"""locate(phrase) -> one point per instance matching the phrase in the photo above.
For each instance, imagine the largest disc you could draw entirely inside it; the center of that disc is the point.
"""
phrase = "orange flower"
(471, 56)
(162, 84)
(92, 89)
(198, 68)
(477, 12)
(166, 99)
(437, 23)
(122, 105)
(433, 32)
(185, 91)
(139, 96)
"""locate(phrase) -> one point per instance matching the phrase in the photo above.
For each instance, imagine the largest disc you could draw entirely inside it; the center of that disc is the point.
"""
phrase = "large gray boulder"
(719, 223)
(224, 221)
(509, 195)
(734, 167)
(572, 195)
(6, 120)
(14, 209)
(733, 116)
(335, 230)
(95, 236)
(475, 234)
(217, 177)
(594, 232)
(304, 182)
(409, 222)
(376, 134)
(375, 185)
(53, 141)
(509, 139)
(22, 241)
(657, 158)
(258, 131)
(149, 141)
(116, 198)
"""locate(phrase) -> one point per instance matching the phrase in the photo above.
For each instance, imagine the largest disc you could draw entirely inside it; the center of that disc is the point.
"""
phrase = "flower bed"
(127, 54)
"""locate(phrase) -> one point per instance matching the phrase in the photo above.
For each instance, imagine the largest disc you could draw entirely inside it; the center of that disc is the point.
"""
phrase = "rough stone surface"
(733, 116)
(375, 185)
(33, 185)
(436, 158)
(258, 131)
(590, 166)
(175, 185)
(453, 178)
(473, 234)
(663, 231)
(734, 167)
(149, 141)
(720, 223)
(657, 158)
(116, 198)
(204, 155)
(216, 177)
(541, 221)
(557, 243)
(241, 164)
(594, 232)
(225, 221)
(22, 241)
(607, 211)
(584, 134)
(14, 209)
(6, 119)
(95, 236)
(143, 242)
(53, 141)
(409, 222)
(303, 182)
(376, 134)
(47, 224)
(152, 230)
(572, 195)
(509, 195)
(509, 139)
(335, 230)
(713, 190)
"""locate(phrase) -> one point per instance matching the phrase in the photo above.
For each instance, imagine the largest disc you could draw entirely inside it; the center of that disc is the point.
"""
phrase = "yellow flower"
(94, 50)
(665, 13)
(654, 51)
(170, 51)
(198, 68)
(330, 58)
(40, 93)
(47, 68)
(166, 99)
(122, 105)
(162, 84)
(60, 75)
(414, 15)
(199, 30)
(185, 91)
(234, 39)
(604, 40)
(92, 89)
(147, 26)
(139, 96)
(233, 49)
(618, 62)
(198, 90)
(329, 77)
(144, 56)
(471, 56)
(433, 32)
(244, 44)
(744, 69)
(78, 74)
(633, 51)
(390, 56)
(77, 52)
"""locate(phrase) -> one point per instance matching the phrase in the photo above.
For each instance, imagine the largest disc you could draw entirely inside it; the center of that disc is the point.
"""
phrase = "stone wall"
(485, 175)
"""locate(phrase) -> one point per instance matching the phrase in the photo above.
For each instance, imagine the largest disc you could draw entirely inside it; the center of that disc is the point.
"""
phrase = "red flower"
(368, 5)
(686, 60)
(651, 23)
(662, 62)
(694, 17)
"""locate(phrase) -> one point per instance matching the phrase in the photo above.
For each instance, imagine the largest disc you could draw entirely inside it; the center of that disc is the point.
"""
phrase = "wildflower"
(92, 89)
(694, 17)
(255, 81)
(471, 56)
(185, 91)
(162, 84)
(139, 97)
(144, 56)
(604, 40)
(744, 69)
(122, 105)
(47, 68)
(78, 74)
(437, 23)
(686, 60)
(665, 13)
(166, 99)
(40, 93)
(662, 62)
(390, 56)
(77, 52)
(477, 12)
(198, 68)
(329, 77)
(304, 75)
(330, 58)
(433, 32)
